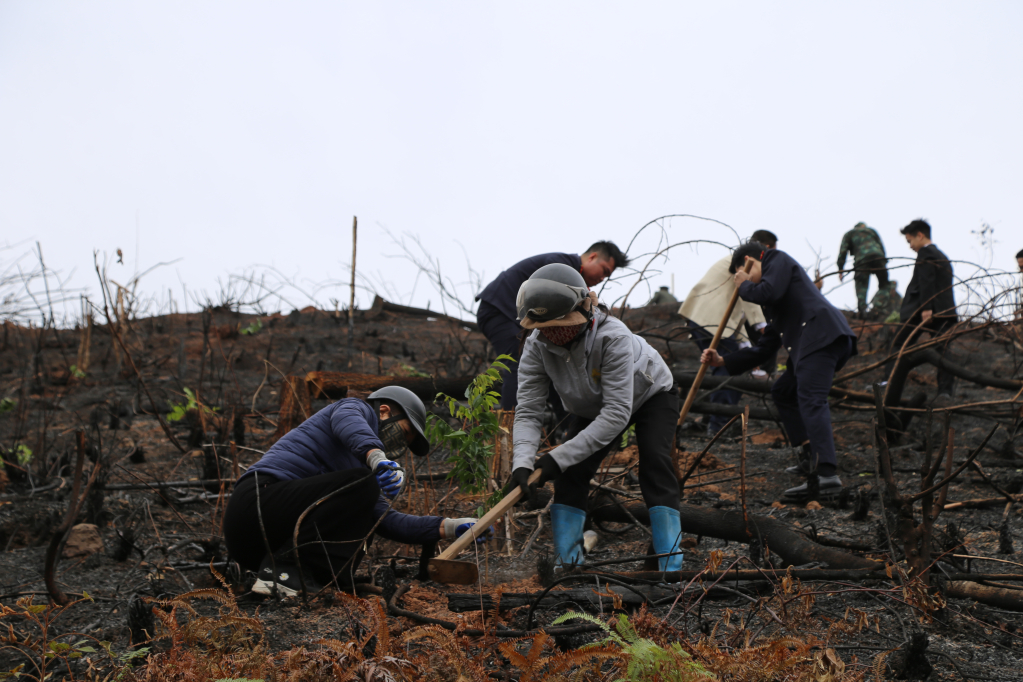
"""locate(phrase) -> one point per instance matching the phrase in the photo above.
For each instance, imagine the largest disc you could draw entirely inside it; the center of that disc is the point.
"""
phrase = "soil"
(160, 541)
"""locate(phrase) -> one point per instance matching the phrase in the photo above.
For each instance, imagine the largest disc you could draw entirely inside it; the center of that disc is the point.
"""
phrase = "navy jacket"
(798, 316)
(334, 439)
(931, 286)
(501, 293)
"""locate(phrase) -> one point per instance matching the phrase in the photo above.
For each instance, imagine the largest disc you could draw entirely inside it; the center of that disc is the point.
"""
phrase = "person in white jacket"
(608, 379)
(703, 308)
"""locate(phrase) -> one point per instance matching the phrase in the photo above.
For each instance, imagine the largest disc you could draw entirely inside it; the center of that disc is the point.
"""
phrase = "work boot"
(804, 466)
(288, 582)
(829, 486)
(567, 526)
(667, 531)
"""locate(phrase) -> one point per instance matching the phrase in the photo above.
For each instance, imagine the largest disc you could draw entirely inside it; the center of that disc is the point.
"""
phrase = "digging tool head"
(453, 572)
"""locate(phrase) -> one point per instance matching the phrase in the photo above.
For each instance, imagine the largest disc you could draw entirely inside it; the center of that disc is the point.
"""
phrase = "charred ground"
(160, 540)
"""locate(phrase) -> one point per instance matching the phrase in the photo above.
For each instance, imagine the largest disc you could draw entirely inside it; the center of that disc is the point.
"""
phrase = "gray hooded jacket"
(605, 376)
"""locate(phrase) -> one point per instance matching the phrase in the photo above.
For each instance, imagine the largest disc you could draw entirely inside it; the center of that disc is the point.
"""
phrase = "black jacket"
(501, 293)
(798, 316)
(931, 286)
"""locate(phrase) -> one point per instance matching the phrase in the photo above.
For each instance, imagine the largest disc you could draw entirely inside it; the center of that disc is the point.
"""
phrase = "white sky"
(231, 134)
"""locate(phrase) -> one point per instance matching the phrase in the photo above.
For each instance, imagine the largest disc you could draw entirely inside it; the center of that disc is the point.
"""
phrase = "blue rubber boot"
(667, 531)
(567, 526)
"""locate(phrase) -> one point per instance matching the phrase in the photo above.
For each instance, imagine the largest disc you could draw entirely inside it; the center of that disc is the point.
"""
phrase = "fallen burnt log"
(380, 306)
(758, 386)
(782, 539)
(1001, 597)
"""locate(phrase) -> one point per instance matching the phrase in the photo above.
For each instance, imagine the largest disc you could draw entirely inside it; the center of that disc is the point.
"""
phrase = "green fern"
(648, 661)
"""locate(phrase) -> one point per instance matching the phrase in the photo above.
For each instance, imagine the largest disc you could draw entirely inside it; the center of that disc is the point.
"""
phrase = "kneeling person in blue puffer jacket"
(341, 459)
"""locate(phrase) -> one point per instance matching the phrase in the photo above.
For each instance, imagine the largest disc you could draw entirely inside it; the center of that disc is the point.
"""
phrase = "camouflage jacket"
(863, 243)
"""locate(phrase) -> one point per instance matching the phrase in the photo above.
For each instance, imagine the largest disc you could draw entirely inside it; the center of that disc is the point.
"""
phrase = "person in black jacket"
(929, 303)
(497, 316)
(819, 341)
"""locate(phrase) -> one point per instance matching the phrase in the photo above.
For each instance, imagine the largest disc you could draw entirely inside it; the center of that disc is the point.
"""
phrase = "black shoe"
(804, 466)
(288, 582)
(830, 486)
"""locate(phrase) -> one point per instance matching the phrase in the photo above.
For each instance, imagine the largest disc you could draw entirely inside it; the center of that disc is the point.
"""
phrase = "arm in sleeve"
(879, 242)
(350, 422)
(750, 358)
(412, 530)
(843, 251)
(616, 378)
(774, 282)
(534, 386)
(929, 282)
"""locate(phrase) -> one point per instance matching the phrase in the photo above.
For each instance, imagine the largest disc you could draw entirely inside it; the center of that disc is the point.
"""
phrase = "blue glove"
(389, 474)
(455, 528)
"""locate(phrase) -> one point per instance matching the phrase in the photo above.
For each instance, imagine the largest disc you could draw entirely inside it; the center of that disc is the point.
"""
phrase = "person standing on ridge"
(496, 314)
(864, 243)
(930, 302)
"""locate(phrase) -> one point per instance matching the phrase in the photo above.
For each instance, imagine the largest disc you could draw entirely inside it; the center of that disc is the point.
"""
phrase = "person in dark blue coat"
(497, 314)
(336, 468)
(819, 341)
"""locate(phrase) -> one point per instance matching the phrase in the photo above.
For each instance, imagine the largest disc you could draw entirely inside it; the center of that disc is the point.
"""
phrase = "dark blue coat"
(334, 439)
(798, 316)
(501, 293)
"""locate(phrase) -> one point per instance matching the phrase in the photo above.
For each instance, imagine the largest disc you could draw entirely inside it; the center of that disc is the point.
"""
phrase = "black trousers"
(503, 334)
(655, 434)
(331, 536)
(801, 394)
(935, 326)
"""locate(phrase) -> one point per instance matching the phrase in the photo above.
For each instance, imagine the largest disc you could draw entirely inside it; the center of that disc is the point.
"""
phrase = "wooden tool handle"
(691, 398)
(488, 519)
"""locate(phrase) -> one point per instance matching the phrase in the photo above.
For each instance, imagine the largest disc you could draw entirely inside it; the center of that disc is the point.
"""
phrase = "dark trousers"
(503, 334)
(655, 435)
(935, 327)
(725, 396)
(331, 536)
(862, 270)
(801, 394)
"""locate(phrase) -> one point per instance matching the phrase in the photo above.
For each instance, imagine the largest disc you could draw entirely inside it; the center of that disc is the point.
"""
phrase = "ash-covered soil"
(159, 541)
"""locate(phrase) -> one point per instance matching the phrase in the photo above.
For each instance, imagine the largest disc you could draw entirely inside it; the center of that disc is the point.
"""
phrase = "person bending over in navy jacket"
(497, 315)
(342, 459)
(819, 342)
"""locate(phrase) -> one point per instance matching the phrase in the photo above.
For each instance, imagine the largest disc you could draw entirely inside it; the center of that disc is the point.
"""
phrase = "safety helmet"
(551, 297)
(413, 408)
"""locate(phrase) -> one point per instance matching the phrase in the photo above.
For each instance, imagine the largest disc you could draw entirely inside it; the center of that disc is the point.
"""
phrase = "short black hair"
(609, 250)
(765, 237)
(1020, 254)
(754, 250)
(916, 227)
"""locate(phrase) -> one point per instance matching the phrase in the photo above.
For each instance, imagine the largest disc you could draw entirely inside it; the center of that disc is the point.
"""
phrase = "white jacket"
(708, 300)
(606, 377)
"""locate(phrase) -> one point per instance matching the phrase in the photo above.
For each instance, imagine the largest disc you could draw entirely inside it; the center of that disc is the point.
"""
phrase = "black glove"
(519, 479)
(550, 470)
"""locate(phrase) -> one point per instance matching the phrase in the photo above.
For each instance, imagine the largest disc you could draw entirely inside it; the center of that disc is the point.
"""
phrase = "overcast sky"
(235, 134)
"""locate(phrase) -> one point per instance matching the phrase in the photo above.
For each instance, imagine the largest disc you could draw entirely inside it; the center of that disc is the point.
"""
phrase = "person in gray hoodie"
(608, 379)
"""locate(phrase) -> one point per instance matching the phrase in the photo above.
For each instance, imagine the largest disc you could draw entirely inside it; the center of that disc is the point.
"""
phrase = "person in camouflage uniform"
(864, 243)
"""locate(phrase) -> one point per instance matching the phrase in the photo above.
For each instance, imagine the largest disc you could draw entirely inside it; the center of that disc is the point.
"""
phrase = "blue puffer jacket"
(334, 439)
